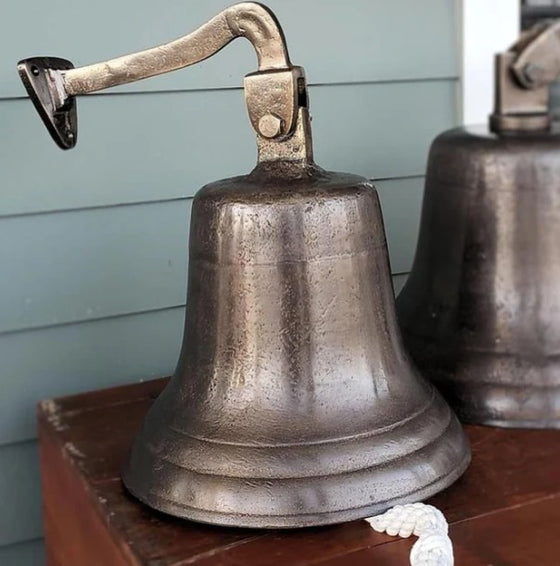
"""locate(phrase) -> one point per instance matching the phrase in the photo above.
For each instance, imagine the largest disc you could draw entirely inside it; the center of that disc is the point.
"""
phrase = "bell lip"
(477, 399)
(300, 520)
(448, 455)
(440, 417)
(481, 405)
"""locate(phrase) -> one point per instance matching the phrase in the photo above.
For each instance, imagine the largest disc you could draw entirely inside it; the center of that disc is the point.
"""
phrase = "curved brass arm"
(247, 19)
(273, 94)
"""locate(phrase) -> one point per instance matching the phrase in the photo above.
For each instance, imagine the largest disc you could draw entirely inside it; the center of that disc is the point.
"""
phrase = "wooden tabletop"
(504, 511)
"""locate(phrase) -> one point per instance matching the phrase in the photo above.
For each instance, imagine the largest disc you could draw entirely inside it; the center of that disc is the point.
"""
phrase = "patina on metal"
(293, 402)
(480, 312)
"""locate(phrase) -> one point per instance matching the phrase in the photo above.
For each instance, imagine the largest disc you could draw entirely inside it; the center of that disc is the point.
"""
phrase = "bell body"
(293, 403)
(480, 312)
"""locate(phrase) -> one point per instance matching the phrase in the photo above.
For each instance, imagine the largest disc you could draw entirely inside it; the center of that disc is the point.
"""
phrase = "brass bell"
(293, 402)
(480, 312)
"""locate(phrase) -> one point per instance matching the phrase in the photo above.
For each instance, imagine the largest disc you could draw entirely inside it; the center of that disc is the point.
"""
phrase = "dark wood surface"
(504, 511)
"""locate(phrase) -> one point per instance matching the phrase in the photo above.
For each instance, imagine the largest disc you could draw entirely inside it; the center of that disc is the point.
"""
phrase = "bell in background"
(293, 402)
(480, 312)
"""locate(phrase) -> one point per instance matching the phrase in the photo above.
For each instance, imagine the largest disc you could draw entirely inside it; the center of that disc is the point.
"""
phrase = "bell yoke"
(293, 402)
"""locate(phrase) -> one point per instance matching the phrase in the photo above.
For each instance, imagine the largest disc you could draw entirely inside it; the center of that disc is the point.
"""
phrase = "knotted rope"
(433, 547)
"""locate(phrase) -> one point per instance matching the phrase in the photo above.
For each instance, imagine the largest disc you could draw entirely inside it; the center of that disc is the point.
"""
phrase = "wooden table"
(504, 511)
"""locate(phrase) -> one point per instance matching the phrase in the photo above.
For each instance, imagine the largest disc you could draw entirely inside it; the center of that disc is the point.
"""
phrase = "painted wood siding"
(93, 241)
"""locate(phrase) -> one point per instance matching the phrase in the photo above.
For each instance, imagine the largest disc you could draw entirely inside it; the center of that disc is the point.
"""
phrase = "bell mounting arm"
(523, 76)
(272, 93)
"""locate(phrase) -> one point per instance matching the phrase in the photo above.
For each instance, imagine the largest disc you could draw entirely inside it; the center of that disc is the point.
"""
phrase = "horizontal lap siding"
(26, 553)
(79, 357)
(90, 264)
(20, 518)
(138, 148)
(93, 241)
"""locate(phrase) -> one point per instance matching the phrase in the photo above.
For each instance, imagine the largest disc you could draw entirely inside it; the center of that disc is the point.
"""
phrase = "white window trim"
(487, 27)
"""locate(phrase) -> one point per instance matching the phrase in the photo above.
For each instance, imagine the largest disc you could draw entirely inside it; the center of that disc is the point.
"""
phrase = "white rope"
(433, 547)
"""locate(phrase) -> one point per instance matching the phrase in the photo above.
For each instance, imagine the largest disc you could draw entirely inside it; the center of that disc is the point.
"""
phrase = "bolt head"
(270, 126)
(533, 73)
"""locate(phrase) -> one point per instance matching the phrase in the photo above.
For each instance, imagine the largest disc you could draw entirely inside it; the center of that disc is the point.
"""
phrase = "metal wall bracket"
(41, 78)
(272, 93)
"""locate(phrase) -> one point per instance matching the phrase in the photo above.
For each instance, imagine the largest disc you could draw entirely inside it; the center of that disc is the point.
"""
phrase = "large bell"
(480, 312)
(293, 402)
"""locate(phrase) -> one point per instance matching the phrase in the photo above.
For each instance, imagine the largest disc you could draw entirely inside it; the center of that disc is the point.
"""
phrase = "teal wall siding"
(93, 241)
(19, 493)
(26, 553)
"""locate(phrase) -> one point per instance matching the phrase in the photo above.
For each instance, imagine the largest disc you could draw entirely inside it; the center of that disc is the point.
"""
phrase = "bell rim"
(436, 412)
(497, 389)
(483, 404)
(297, 520)
(408, 478)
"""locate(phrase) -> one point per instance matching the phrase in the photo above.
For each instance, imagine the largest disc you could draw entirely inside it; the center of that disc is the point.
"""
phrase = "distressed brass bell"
(293, 402)
(480, 312)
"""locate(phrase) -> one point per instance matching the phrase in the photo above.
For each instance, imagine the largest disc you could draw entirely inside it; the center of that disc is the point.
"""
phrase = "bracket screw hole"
(35, 71)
